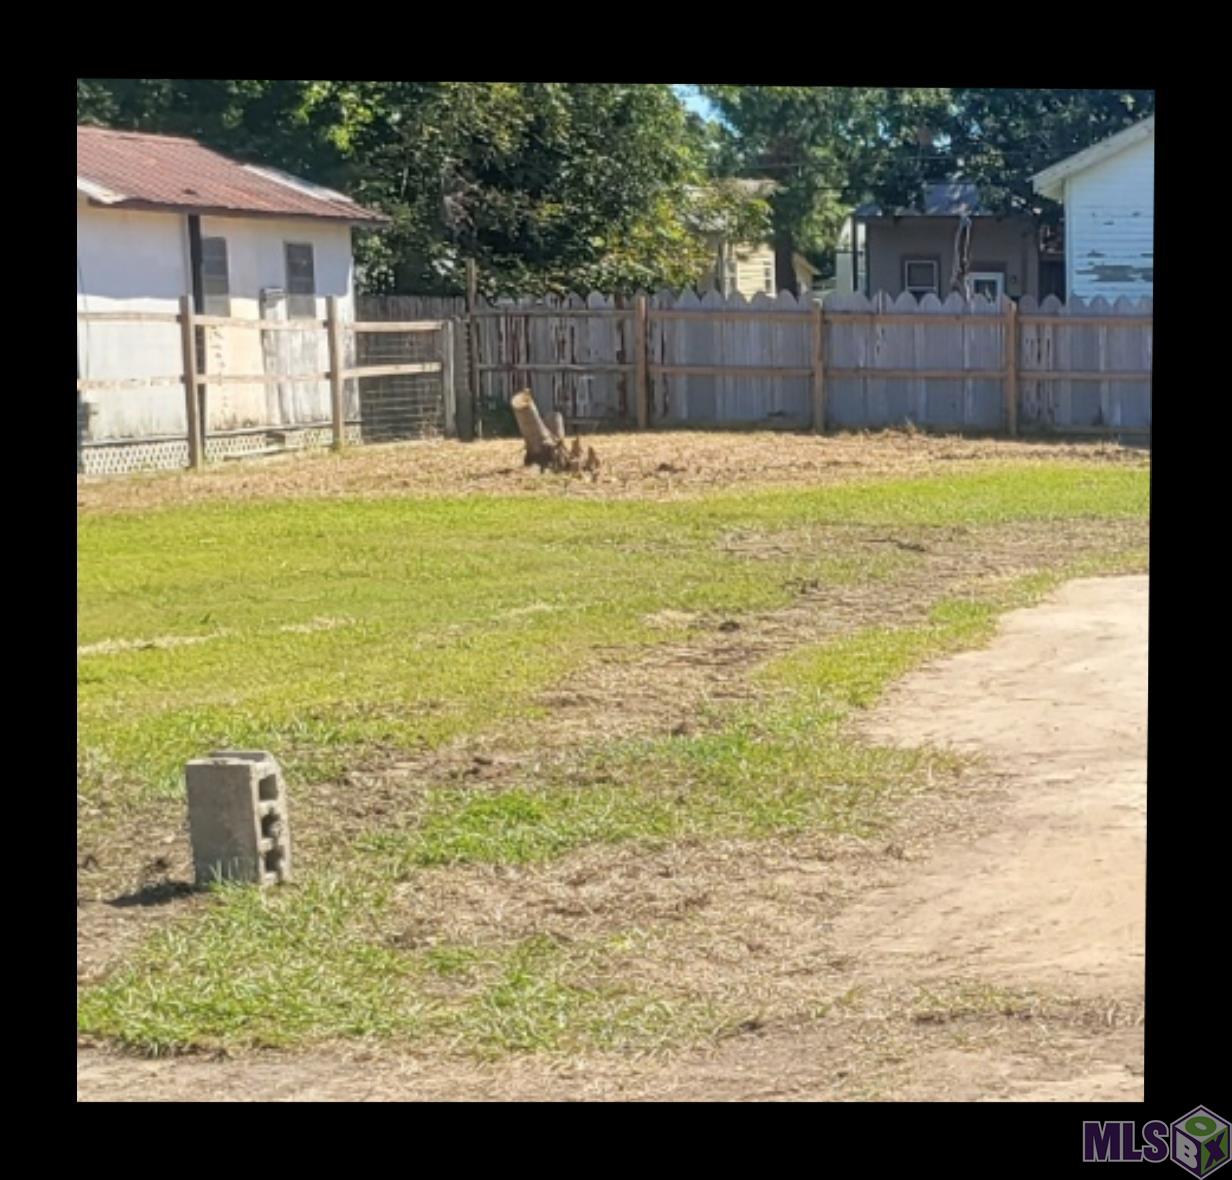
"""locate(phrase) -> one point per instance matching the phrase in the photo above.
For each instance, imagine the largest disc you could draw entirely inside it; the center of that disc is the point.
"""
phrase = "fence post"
(337, 383)
(1011, 368)
(817, 326)
(470, 404)
(641, 343)
(192, 380)
(448, 369)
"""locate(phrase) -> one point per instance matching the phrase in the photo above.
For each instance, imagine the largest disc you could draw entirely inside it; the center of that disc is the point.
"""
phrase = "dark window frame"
(215, 280)
(301, 302)
(932, 260)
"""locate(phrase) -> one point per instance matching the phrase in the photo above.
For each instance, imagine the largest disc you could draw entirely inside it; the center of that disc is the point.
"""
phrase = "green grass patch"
(261, 968)
(329, 631)
(307, 965)
(786, 766)
(444, 617)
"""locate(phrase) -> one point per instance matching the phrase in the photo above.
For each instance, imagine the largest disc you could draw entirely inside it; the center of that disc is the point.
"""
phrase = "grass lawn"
(353, 632)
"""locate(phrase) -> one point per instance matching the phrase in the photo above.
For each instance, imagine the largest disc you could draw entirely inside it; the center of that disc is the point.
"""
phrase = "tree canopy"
(567, 186)
(548, 186)
(1001, 138)
(829, 148)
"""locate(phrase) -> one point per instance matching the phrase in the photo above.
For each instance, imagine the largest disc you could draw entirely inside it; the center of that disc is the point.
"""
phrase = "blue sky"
(694, 101)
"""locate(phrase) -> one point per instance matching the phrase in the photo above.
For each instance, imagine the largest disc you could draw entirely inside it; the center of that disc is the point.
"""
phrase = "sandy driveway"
(1045, 896)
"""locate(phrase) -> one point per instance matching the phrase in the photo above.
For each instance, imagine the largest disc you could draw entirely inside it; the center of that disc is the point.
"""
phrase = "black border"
(1187, 875)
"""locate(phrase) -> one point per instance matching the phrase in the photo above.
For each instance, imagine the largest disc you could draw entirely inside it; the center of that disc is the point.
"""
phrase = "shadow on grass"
(157, 894)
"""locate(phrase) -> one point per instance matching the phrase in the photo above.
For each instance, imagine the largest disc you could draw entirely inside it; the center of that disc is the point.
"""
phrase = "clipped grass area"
(304, 965)
(309, 964)
(261, 968)
(786, 766)
(333, 630)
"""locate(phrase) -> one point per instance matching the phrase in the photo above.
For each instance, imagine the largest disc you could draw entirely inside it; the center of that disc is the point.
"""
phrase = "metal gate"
(410, 391)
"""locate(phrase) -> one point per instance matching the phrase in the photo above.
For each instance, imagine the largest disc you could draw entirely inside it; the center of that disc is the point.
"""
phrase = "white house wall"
(139, 261)
(256, 260)
(1110, 225)
(131, 262)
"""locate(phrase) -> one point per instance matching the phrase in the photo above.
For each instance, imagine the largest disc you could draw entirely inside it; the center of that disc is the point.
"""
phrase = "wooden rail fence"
(681, 360)
(196, 381)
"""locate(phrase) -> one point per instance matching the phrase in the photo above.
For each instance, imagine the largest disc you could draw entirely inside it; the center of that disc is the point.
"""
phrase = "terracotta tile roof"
(128, 169)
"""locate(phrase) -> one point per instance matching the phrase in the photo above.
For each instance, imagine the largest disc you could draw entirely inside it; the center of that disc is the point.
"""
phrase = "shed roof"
(133, 170)
(948, 198)
(1050, 182)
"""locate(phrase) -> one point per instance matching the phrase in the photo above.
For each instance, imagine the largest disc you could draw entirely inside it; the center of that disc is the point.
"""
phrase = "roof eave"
(1052, 187)
(137, 206)
(1051, 180)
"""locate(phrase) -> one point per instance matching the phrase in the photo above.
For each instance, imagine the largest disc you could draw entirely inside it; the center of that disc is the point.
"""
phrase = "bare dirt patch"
(1055, 896)
(1025, 983)
(655, 465)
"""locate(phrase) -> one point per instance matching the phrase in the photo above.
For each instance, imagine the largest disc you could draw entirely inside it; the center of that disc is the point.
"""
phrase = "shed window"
(920, 276)
(301, 282)
(215, 281)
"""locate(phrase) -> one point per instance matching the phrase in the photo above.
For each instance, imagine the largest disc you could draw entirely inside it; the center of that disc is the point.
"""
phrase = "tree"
(830, 148)
(548, 186)
(826, 148)
(1000, 138)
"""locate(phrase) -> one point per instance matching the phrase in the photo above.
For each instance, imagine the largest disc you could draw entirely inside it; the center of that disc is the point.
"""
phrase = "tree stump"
(540, 441)
(547, 448)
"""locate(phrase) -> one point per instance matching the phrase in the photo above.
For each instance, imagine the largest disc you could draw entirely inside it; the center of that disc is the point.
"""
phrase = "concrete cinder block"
(237, 818)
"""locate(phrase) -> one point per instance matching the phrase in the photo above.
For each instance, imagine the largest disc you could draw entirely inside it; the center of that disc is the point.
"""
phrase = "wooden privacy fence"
(647, 361)
(346, 376)
(857, 363)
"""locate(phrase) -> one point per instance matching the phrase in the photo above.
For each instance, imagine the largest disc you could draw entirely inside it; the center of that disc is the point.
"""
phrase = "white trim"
(1049, 182)
(977, 276)
(300, 186)
(96, 192)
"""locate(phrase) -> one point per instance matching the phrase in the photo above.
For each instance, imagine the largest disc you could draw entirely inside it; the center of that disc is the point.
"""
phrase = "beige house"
(747, 268)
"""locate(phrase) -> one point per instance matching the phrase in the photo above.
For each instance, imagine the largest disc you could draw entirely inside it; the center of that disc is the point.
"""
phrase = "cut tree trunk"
(540, 441)
(547, 448)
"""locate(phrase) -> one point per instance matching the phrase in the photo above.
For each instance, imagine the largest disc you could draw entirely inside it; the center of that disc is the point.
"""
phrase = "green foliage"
(553, 187)
(830, 148)
(823, 146)
(1000, 138)
(550, 187)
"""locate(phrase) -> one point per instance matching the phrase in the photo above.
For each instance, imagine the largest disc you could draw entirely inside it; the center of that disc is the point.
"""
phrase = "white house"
(160, 217)
(1108, 192)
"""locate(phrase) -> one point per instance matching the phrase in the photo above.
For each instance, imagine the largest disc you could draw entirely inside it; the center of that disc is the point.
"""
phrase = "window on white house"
(920, 276)
(767, 274)
(301, 282)
(215, 280)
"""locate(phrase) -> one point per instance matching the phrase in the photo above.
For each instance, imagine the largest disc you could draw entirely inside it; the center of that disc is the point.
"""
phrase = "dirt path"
(1054, 898)
(1008, 964)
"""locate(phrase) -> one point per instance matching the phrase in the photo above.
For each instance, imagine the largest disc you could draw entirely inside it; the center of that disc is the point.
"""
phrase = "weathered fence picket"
(664, 360)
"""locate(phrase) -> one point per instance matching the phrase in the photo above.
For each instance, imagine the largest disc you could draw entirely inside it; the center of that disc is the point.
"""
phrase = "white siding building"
(160, 217)
(1108, 192)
